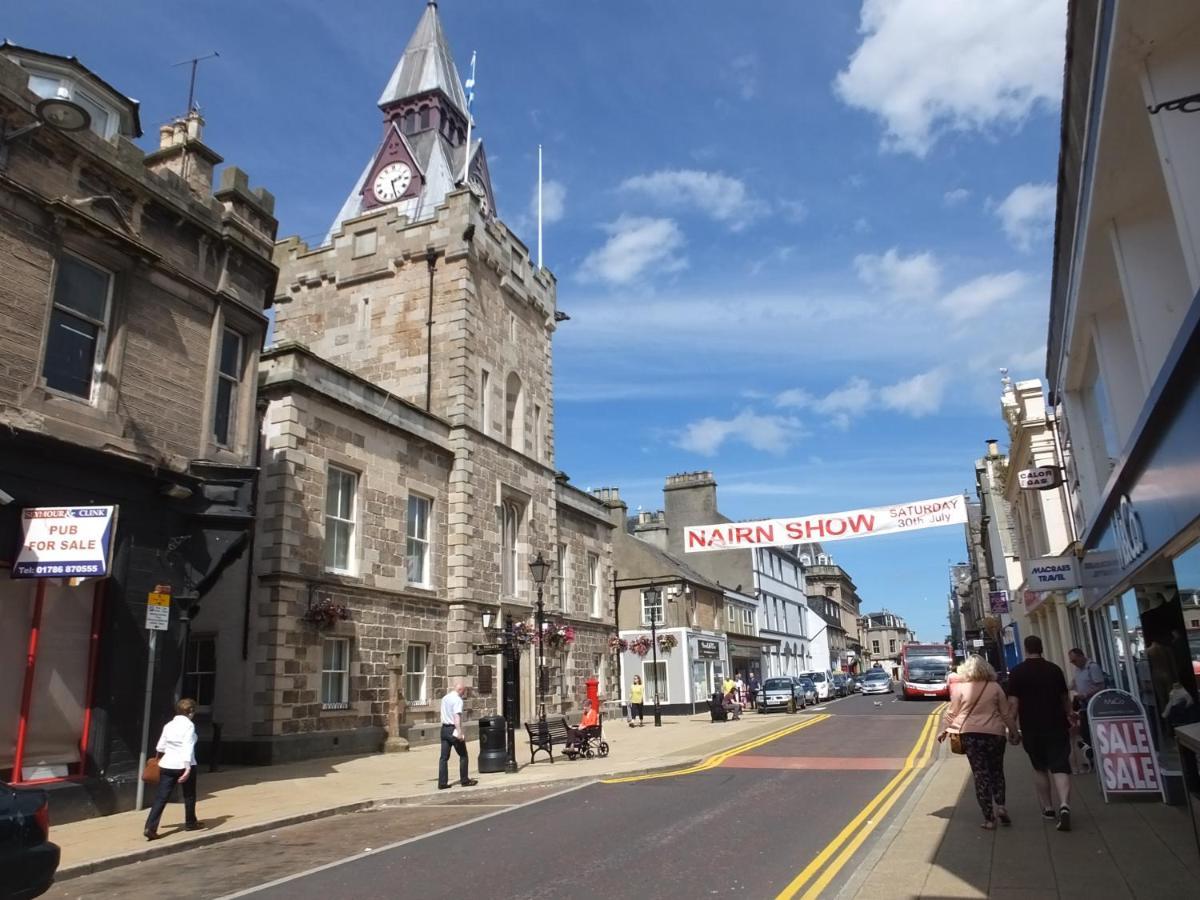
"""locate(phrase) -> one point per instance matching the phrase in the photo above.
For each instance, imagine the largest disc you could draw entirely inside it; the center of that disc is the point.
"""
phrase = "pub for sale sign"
(65, 542)
(1125, 759)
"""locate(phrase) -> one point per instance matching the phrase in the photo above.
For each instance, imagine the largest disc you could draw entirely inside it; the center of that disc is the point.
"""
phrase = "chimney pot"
(165, 133)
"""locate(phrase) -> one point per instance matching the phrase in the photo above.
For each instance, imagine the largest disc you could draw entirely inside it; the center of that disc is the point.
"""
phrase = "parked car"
(854, 684)
(780, 693)
(839, 684)
(823, 682)
(808, 689)
(877, 681)
(28, 860)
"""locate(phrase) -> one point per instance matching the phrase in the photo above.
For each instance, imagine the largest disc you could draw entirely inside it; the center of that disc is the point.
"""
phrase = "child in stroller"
(587, 740)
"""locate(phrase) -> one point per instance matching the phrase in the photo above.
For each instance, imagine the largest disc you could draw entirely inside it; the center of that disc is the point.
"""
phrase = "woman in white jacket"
(176, 765)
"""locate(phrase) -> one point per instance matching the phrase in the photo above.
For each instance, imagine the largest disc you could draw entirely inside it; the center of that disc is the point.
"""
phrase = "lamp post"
(654, 599)
(539, 568)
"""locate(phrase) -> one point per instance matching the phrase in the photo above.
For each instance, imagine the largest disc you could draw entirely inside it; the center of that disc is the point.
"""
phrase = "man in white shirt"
(176, 750)
(453, 736)
(1088, 680)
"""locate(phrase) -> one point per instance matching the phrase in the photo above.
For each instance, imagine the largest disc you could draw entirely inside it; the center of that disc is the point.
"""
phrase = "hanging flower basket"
(558, 635)
(667, 642)
(522, 634)
(325, 612)
(640, 644)
(617, 644)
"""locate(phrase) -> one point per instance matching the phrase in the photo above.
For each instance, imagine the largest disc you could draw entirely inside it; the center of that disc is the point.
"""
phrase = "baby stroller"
(588, 743)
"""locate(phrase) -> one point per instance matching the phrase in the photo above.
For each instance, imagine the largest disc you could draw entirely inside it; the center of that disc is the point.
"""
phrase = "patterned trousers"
(985, 753)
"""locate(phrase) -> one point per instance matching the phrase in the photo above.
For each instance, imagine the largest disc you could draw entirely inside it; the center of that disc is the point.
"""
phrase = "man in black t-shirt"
(1038, 691)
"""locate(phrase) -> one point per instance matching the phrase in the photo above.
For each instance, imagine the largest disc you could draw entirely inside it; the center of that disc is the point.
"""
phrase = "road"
(778, 816)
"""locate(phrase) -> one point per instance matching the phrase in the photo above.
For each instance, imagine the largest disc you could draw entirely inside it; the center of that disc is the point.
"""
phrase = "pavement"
(935, 848)
(244, 801)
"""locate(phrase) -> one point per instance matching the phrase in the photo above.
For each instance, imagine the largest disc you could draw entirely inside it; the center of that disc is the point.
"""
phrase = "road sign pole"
(141, 785)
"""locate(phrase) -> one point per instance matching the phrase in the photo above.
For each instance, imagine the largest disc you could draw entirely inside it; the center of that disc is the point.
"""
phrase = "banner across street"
(825, 527)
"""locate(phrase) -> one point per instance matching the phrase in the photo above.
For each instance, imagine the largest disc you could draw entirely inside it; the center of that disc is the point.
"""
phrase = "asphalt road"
(749, 824)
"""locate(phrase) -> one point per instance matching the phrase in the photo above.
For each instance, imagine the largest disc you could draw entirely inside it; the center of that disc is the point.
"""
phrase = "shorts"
(1049, 752)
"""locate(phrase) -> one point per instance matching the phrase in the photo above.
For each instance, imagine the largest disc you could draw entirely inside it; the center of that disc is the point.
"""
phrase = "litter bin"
(493, 744)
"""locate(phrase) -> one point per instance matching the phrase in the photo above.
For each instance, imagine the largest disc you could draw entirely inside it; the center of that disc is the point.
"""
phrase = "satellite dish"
(63, 114)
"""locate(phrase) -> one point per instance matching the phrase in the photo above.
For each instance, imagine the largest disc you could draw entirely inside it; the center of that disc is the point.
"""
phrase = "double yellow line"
(713, 761)
(853, 835)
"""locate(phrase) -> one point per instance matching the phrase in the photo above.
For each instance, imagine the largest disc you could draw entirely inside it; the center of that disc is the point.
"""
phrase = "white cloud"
(918, 396)
(769, 433)
(635, 244)
(906, 277)
(927, 67)
(554, 202)
(1027, 214)
(720, 197)
(955, 197)
(979, 295)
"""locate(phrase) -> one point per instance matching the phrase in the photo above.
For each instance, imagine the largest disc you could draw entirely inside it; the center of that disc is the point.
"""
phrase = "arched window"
(514, 412)
(806, 559)
(510, 519)
(424, 117)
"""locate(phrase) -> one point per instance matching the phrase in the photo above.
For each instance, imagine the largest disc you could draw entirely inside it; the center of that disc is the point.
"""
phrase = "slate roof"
(426, 65)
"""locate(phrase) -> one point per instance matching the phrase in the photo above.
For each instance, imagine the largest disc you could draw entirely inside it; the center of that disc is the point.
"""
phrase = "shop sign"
(1051, 572)
(1043, 478)
(1127, 525)
(158, 608)
(838, 526)
(65, 542)
(708, 649)
(1126, 762)
(998, 602)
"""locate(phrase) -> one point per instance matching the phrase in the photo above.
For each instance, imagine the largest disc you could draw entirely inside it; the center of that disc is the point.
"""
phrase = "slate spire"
(426, 65)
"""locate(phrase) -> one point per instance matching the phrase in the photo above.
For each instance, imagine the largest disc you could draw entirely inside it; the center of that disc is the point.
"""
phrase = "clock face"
(391, 182)
(475, 183)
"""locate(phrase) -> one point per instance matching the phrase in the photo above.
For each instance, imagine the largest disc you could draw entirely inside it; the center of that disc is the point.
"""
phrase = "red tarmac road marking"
(829, 763)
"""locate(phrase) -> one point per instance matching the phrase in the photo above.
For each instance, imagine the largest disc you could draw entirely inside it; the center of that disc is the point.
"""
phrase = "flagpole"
(470, 92)
(539, 206)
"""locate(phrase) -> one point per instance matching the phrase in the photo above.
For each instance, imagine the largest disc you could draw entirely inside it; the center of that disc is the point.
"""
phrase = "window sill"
(334, 707)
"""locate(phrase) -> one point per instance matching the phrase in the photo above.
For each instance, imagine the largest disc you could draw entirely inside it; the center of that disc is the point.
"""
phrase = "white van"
(823, 681)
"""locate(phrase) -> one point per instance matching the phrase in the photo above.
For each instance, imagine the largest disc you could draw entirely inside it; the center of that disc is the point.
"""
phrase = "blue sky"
(797, 241)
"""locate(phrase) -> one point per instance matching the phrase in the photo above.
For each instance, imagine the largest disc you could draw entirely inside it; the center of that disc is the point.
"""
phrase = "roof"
(636, 558)
(426, 65)
(131, 105)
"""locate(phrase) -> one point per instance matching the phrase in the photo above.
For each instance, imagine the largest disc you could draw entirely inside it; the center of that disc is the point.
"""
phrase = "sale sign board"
(1125, 759)
(65, 542)
(826, 527)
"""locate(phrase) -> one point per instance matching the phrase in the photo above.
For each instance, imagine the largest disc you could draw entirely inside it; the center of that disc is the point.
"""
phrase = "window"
(654, 677)
(510, 518)
(365, 243)
(514, 416)
(891, 646)
(335, 673)
(593, 570)
(200, 670)
(484, 400)
(418, 539)
(875, 647)
(229, 378)
(537, 432)
(748, 618)
(652, 612)
(415, 659)
(47, 84)
(78, 324)
(730, 614)
(340, 490)
(562, 576)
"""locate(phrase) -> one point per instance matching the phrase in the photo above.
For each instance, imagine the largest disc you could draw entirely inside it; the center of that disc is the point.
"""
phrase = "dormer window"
(105, 118)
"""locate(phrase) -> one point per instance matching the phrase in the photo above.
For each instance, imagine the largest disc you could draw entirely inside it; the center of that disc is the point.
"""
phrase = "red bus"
(925, 670)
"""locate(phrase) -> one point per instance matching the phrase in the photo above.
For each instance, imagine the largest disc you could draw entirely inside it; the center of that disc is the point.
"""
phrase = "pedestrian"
(733, 706)
(753, 689)
(454, 737)
(1038, 691)
(979, 713)
(739, 689)
(637, 696)
(176, 755)
(1089, 680)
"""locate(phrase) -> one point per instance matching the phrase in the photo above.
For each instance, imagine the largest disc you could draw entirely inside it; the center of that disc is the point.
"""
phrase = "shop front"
(688, 666)
(749, 655)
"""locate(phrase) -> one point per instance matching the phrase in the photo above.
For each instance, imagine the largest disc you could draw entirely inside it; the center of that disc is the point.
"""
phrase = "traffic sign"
(488, 649)
(158, 608)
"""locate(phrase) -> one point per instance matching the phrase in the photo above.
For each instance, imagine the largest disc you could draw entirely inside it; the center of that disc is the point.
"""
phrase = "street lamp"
(653, 599)
(539, 568)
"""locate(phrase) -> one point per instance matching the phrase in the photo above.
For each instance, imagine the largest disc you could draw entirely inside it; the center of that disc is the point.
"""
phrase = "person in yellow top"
(726, 686)
(637, 696)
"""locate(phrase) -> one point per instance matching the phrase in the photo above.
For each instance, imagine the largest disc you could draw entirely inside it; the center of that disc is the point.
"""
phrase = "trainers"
(470, 782)
(1064, 819)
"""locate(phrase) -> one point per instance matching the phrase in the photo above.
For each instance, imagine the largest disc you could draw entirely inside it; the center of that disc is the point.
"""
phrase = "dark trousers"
(639, 712)
(167, 779)
(985, 753)
(448, 741)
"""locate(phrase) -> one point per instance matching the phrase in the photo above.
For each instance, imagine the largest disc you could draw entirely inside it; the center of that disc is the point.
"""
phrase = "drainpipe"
(261, 409)
(431, 260)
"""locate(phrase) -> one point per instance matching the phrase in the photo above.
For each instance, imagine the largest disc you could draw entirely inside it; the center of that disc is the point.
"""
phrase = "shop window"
(229, 380)
(654, 677)
(335, 673)
(593, 572)
(652, 611)
(1187, 580)
(561, 576)
(416, 659)
(419, 509)
(340, 491)
(78, 328)
(200, 670)
(510, 519)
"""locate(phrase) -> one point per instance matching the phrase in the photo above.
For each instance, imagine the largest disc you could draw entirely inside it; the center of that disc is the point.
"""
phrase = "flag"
(469, 85)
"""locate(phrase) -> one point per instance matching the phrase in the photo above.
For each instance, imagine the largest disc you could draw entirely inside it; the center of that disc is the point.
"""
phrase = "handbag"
(956, 741)
(150, 773)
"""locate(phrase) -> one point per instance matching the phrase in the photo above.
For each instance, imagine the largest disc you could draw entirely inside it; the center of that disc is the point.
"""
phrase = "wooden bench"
(544, 735)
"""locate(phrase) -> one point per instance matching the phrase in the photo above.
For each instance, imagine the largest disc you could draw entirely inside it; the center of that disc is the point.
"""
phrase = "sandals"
(1002, 815)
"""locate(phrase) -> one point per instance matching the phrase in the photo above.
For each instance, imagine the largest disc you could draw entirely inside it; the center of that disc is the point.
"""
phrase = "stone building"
(409, 472)
(886, 635)
(833, 595)
(131, 313)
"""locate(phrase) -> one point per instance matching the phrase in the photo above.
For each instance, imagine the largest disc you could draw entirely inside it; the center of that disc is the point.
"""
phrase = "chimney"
(993, 450)
(689, 498)
(617, 510)
(182, 153)
(651, 527)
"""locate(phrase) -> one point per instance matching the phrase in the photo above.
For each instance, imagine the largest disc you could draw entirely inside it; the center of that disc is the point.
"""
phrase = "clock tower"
(423, 149)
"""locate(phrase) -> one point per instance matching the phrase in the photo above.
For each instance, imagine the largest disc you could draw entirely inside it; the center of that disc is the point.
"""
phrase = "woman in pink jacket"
(979, 711)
